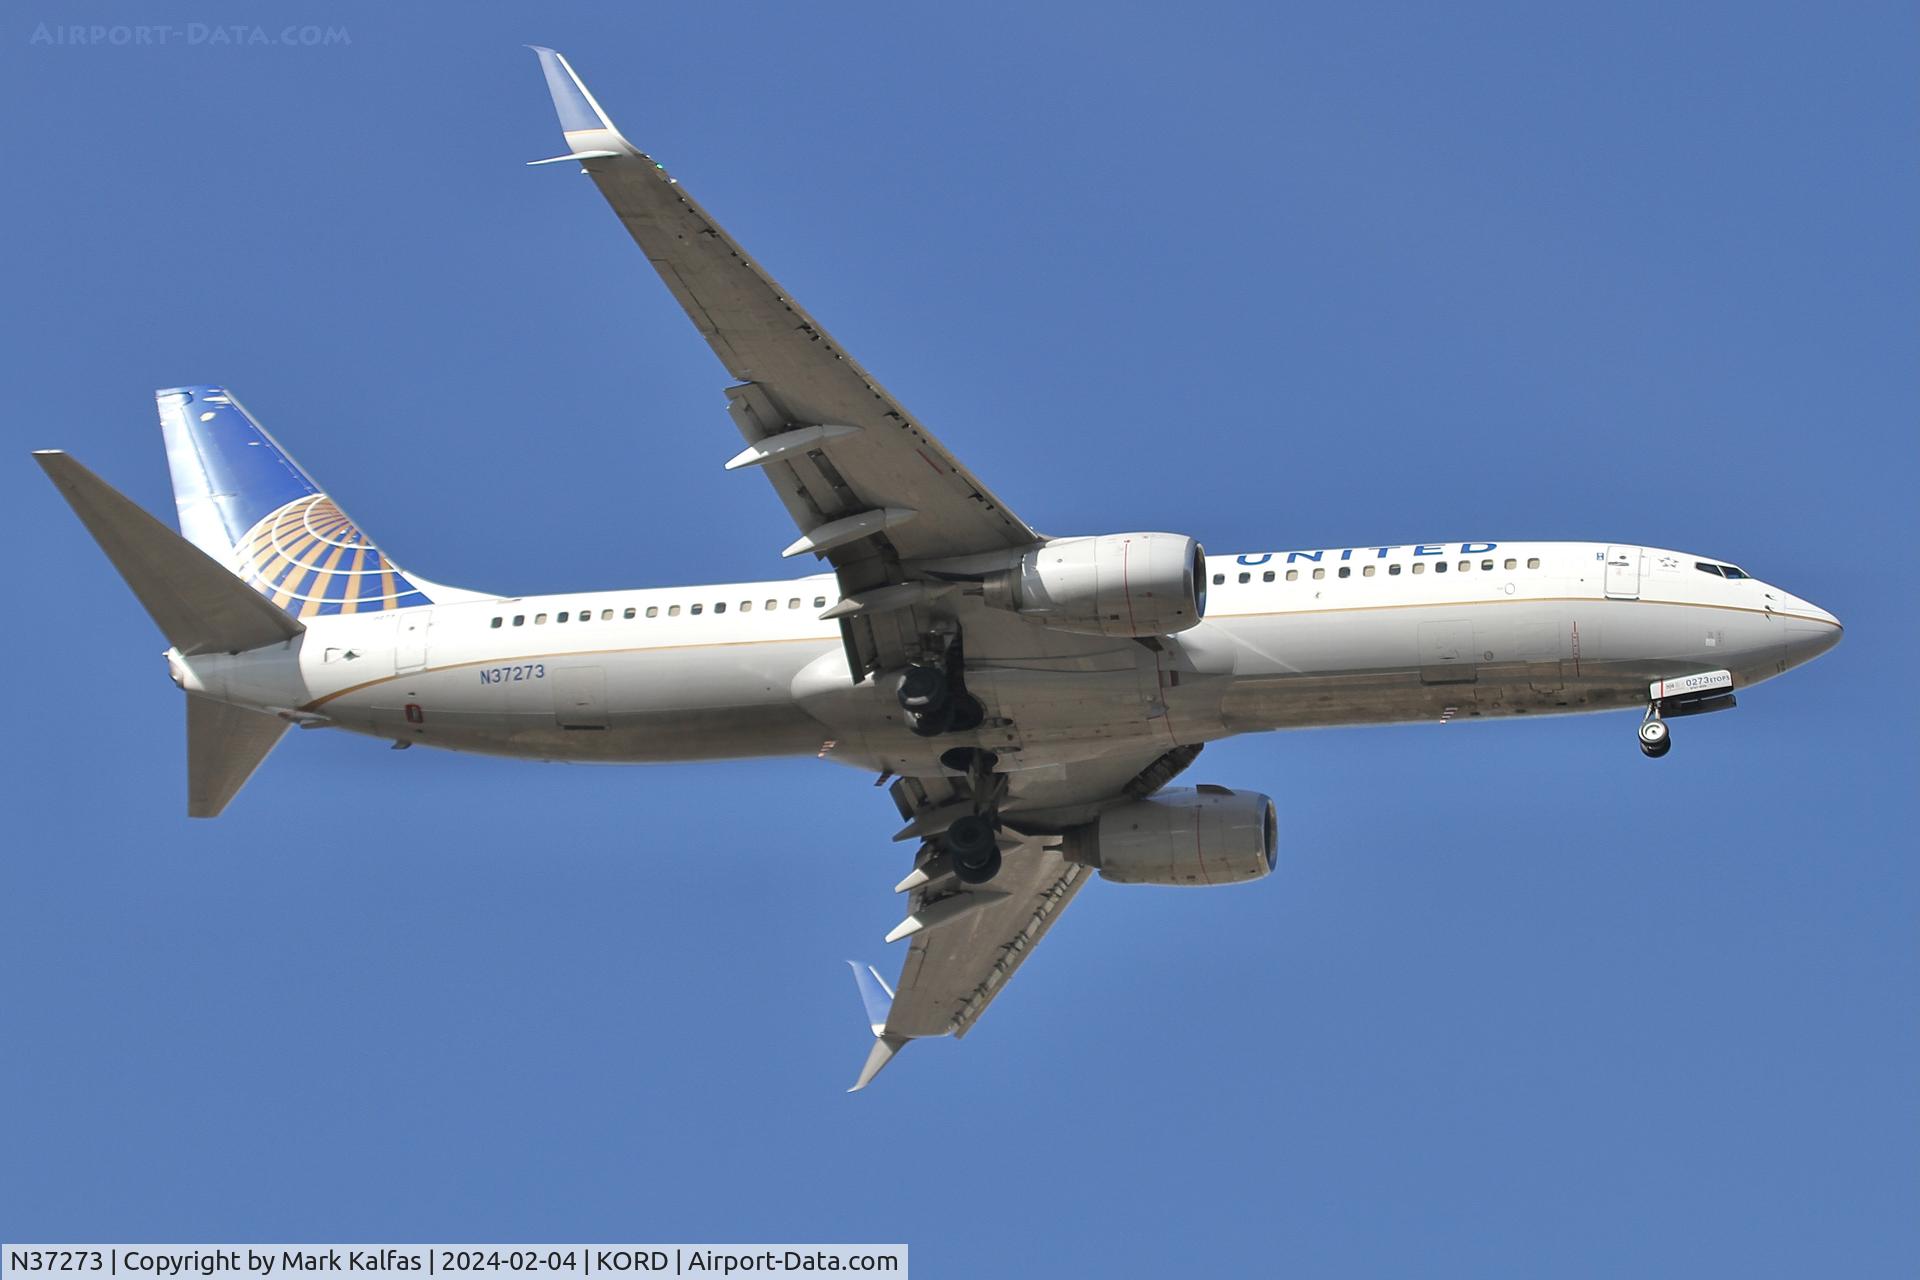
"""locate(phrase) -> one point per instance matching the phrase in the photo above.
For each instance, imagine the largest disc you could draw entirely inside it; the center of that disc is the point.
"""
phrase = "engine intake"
(1120, 584)
(1186, 836)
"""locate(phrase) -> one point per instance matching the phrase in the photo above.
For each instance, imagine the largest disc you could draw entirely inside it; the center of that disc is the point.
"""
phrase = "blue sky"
(1517, 1001)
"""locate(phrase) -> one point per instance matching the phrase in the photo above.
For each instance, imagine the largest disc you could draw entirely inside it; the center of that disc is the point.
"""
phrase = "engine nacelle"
(1198, 836)
(1122, 584)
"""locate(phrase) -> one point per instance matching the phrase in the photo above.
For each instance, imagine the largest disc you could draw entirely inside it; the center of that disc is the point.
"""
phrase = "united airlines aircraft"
(1030, 698)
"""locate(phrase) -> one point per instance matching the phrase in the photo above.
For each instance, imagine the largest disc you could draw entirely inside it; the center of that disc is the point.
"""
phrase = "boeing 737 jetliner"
(1030, 697)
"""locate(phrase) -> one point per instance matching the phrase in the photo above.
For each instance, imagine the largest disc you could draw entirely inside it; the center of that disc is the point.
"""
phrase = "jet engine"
(1198, 836)
(1121, 584)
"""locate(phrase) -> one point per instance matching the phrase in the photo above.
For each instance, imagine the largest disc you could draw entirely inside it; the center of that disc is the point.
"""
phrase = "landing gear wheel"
(967, 713)
(934, 721)
(973, 850)
(922, 689)
(1655, 741)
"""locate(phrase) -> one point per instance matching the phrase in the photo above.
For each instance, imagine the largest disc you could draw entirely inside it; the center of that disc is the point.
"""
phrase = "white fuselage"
(749, 669)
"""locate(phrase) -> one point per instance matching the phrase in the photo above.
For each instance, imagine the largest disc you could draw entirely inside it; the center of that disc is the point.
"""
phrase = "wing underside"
(867, 484)
(966, 941)
(873, 492)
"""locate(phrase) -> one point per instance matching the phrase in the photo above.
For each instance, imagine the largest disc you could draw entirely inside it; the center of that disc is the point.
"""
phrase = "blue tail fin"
(246, 503)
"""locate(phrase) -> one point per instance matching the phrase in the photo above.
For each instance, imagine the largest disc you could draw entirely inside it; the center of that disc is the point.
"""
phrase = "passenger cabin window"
(1512, 563)
(1465, 565)
(1367, 572)
(496, 622)
(819, 602)
(1219, 579)
(1293, 575)
(773, 604)
(746, 606)
(1393, 571)
(1533, 562)
(1345, 571)
(1267, 576)
(1246, 577)
(1488, 564)
(721, 607)
(519, 619)
(561, 617)
(794, 603)
(653, 611)
(539, 619)
(1439, 566)
(1419, 566)
(696, 609)
(629, 612)
(673, 611)
(606, 615)
(1319, 574)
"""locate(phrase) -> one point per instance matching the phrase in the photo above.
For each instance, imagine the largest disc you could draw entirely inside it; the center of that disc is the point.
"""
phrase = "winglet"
(877, 1058)
(878, 999)
(875, 994)
(589, 131)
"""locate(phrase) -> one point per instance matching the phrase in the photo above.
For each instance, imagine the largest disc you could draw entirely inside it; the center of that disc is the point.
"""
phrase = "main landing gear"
(937, 702)
(933, 691)
(973, 848)
(1655, 740)
(972, 840)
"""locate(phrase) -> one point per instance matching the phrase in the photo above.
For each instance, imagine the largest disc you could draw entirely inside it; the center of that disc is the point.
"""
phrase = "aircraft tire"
(972, 848)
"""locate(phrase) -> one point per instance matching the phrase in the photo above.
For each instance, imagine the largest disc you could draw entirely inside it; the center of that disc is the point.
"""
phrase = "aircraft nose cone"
(1811, 635)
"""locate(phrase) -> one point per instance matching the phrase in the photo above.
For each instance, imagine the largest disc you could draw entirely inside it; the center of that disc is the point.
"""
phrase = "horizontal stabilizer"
(197, 603)
(225, 744)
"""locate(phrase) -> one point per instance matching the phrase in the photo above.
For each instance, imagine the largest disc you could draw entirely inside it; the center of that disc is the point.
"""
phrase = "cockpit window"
(1720, 570)
(1733, 572)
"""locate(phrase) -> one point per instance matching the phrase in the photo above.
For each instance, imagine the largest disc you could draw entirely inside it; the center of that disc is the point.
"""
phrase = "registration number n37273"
(508, 675)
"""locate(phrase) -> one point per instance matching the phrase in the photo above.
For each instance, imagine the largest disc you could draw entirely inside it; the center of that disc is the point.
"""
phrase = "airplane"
(1028, 698)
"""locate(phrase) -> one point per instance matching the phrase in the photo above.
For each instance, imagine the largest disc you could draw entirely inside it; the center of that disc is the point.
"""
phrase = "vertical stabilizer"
(244, 501)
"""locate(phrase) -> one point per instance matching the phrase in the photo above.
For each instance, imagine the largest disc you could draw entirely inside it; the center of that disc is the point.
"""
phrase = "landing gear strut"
(1655, 741)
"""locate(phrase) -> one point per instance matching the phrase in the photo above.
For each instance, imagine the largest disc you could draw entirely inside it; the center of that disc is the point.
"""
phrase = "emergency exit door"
(1623, 573)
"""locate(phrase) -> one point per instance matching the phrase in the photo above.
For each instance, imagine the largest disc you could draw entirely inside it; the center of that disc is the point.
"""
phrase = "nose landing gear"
(1655, 741)
(1693, 695)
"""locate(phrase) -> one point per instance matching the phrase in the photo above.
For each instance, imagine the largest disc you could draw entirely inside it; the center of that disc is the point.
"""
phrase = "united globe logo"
(309, 559)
